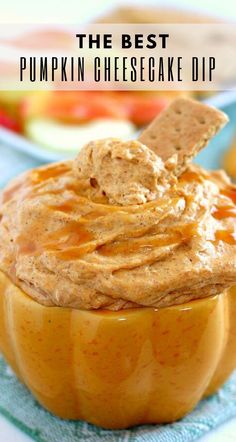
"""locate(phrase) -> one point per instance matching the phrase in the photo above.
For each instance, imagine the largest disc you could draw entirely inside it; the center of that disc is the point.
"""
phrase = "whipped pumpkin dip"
(125, 224)
(129, 227)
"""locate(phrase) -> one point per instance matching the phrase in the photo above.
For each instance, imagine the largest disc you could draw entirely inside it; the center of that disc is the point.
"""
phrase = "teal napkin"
(19, 406)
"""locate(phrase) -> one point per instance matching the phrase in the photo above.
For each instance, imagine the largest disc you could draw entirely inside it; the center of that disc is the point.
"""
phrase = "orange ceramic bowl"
(119, 369)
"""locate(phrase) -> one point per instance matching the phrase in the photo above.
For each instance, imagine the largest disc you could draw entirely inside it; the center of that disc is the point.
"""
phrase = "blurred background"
(52, 11)
(37, 127)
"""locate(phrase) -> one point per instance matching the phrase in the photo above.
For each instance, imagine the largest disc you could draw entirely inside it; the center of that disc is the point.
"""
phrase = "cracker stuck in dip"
(126, 223)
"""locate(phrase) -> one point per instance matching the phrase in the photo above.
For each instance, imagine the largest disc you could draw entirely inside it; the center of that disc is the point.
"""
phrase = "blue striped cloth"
(19, 406)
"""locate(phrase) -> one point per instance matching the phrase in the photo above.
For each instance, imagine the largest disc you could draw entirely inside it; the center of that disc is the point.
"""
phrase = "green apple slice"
(68, 138)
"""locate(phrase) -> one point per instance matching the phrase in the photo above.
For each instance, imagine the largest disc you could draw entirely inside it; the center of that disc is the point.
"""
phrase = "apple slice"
(67, 138)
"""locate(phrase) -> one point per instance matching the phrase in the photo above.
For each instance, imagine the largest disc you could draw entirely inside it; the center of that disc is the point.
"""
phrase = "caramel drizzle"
(76, 238)
(19, 188)
(59, 241)
(219, 213)
(54, 171)
(230, 193)
(35, 178)
(191, 175)
(225, 236)
(224, 212)
(129, 246)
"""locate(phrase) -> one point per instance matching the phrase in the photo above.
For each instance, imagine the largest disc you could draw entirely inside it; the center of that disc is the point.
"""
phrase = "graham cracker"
(183, 129)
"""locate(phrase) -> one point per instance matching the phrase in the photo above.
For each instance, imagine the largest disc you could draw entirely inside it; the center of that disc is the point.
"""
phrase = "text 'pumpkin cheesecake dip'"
(116, 275)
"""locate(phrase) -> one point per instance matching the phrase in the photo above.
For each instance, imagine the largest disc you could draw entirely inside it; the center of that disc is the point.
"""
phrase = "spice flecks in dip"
(115, 229)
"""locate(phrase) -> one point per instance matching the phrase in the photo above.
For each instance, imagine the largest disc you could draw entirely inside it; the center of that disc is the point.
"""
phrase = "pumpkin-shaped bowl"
(119, 369)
